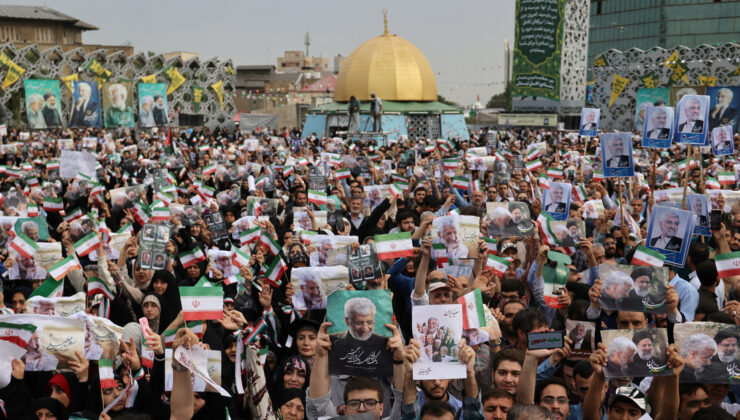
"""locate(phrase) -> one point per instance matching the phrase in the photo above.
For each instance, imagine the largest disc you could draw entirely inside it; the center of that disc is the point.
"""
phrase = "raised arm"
(320, 383)
(182, 399)
(421, 272)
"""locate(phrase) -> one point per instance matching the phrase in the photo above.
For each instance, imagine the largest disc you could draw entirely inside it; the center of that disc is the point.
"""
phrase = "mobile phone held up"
(545, 340)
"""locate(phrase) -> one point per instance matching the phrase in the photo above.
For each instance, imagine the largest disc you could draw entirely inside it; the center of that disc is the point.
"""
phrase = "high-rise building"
(508, 53)
(643, 24)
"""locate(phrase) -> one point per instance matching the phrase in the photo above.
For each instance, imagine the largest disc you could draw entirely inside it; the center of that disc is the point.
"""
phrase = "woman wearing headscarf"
(165, 285)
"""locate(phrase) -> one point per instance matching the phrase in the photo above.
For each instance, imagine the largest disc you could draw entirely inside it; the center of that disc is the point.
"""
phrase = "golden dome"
(391, 67)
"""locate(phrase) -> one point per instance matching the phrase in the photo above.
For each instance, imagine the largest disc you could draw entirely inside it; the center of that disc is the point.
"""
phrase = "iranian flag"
(97, 286)
(394, 245)
(52, 164)
(235, 279)
(429, 149)
(53, 205)
(473, 314)
(533, 154)
(50, 288)
(105, 371)
(288, 171)
(342, 173)
(87, 244)
(63, 267)
(249, 236)
(269, 243)
(728, 265)
(275, 271)
(580, 192)
(491, 245)
(712, 183)
(196, 327)
(317, 197)
(98, 188)
(210, 169)
(460, 182)
(498, 264)
(202, 303)
(141, 213)
(160, 214)
(302, 161)
(32, 210)
(499, 156)
(256, 331)
(726, 178)
(646, 256)
(450, 163)
(396, 190)
(439, 254)
(240, 258)
(24, 245)
(476, 185)
(546, 234)
(555, 173)
(543, 182)
(192, 257)
(534, 165)
(682, 165)
(18, 334)
(598, 176)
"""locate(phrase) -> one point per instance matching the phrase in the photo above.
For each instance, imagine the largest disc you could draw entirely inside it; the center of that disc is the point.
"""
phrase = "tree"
(445, 101)
(501, 100)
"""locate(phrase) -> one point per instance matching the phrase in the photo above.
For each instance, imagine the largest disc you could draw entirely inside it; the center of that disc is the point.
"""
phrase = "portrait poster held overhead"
(722, 141)
(589, 122)
(458, 235)
(581, 334)
(691, 125)
(117, 105)
(312, 285)
(669, 233)
(152, 104)
(636, 353)
(509, 219)
(646, 99)
(724, 107)
(438, 329)
(709, 350)
(633, 288)
(86, 109)
(616, 155)
(358, 333)
(657, 129)
(363, 265)
(35, 228)
(698, 204)
(54, 342)
(152, 243)
(43, 103)
(556, 200)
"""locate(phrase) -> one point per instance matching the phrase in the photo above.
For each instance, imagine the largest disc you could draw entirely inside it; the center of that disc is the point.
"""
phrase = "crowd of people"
(273, 336)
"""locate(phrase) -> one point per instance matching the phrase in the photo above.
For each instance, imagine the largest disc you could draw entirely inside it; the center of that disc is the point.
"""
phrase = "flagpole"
(652, 182)
(686, 177)
(621, 199)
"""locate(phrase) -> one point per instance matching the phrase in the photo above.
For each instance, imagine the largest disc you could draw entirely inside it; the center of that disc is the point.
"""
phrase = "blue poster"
(724, 106)
(589, 122)
(698, 205)
(658, 126)
(722, 144)
(691, 125)
(669, 232)
(556, 200)
(85, 105)
(616, 155)
(152, 104)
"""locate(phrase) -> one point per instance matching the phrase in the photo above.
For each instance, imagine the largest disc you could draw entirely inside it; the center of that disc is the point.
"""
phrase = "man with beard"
(50, 111)
(448, 235)
(697, 352)
(508, 311)
(644, 361)
(723, 363)
(620, 356)
(518, 223)
(610, 249)
(692, 111)
(85, 112)
(616, 288)
(26, 269)
(359, 349)
(639, 297)
(667, 238)
(119, 114)
(160, 113)
(580, 337)
(310, 296)
(501, 222)
(555, 203)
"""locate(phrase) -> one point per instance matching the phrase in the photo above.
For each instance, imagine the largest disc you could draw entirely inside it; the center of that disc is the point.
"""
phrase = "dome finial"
(385, 21)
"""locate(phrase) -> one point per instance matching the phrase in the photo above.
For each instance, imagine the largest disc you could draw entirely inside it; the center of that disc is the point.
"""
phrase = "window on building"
(8, 33)
(44, 35)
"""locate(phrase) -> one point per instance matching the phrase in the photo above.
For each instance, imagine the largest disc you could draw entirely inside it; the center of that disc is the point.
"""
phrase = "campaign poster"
(724, 103)
(314, 284)
(509, 219)
(633, 288)
(363, 265)
(43, 104)
(438, 329)
(709, 350)
(698, 204)
(691, 125)
(656, 131)
(589, 122)
(616, 155)
(648, 98)
(152, 104)
(636, 353)
(722, 141)
(556, 200)
(33, 227)
(669, 233)
(454, 232)
(581, 333)
(677, 92)
(117, 105)
(358, 333)
(86, 110)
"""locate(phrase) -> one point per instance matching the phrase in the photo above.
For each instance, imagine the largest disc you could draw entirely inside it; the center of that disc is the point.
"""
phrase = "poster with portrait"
(125, 197)
(616, 155)
(186, 214)
(636, 353)
(73, 163)
(221, 261)
(112, 248)
(33, 227)
(215, 223)
(556, 200)
(458, 267)
(118, 110)
(53, 344)
(669, 233)
(698, 204)
(724, 107)
(709, 350)
(656, 131)
(690, 126)
(261, 206)
(509, 218)
(438, 329)
(723, 199)
(723, 143)
(152, 104)
(593, 209)
(375, 194)
(568, 232)
(43, 103)
(646, 99)
(363, 265)
(208, 361)
(480, 163)
(101, 336)
(358, 333)
(589, 122)
(152, 242)
(57, 306)
(314, 284)
(454, 232)
(86, 110)
(678, 92)
(633, 288)
(581, 333)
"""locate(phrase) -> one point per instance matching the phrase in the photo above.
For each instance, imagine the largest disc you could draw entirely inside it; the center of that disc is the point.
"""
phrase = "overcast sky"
(463, 41)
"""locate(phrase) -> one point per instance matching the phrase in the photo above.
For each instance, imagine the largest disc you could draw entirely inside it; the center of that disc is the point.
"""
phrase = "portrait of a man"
(85, 106)
(500, 221)
(620, 354)
(697, 352)
(555, 200)
(697, 207)
(723, 113)
(581, 337)
(658, 125)
(644, 361)
(34, 112)
(118, 110)
(310, 295)
(616, 157)
(722, 138)
(26, 269)
(160, 111)
(692, 122)
(51, 110)
(617, 286)
(723, 364)
(666, 238)
(448, 234)
(589, 122)
(520, 222)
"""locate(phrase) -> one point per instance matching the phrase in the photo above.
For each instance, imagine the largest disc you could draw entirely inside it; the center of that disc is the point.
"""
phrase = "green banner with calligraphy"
(537, 49)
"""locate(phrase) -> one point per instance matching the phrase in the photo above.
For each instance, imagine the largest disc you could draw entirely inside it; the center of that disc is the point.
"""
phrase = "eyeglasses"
(355, 404)
(550, 400)
(697, 403)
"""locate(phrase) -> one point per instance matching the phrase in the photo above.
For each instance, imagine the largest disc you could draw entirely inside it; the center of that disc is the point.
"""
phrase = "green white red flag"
(24, 245)
(646, 256)
(394, 245)
(202, 303)
(18, 334)
(473, 314)
(728, 264)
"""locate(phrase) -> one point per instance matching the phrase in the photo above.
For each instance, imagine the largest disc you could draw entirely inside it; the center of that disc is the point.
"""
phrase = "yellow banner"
(69, 79)
(219, 89)
(101, 72)
(671, 62)
(737, 71)
(708, 80)
(601, 62)
(618, 85)
(152, 78)
(14, 71)
(649, 80)
(176, 79)
(230, 70)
